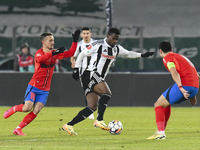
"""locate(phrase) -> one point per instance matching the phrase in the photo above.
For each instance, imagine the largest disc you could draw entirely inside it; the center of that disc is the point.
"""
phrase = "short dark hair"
(165, 46)
(44, 35)
(113, 30)
(85, 28)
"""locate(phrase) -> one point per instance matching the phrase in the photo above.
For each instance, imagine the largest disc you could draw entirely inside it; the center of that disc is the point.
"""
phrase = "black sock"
(83, 114)
(102, 106)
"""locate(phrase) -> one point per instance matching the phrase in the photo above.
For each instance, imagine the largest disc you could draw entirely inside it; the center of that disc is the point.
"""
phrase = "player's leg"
(102, 89)
(162, 107)
(21, 107)
(35, 101)
(32, 115)
(193, 100)
(12, 110)
(163, 110)
(167, 112)
(84, 88)
(159, 108)
(92, 99)
(28, 105)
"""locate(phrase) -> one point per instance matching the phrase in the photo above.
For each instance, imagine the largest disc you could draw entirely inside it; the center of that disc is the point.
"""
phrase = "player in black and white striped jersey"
(103, 52)
(85, 42)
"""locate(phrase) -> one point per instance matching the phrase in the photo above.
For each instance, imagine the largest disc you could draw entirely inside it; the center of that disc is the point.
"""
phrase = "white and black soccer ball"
(115, 126)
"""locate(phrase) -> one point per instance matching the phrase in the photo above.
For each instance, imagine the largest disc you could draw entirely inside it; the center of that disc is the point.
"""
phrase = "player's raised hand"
(147, 54)
(76, 35)
(75, 74)
(59, 50)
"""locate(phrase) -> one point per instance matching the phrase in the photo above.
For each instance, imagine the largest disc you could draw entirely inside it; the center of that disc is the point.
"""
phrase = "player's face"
(86, 35)
(48, 42)
(112, 39)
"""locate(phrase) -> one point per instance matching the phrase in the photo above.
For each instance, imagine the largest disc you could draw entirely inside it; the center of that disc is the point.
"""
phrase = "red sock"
(27, 119)
(160, 118)
(19, 107)
(167, 111)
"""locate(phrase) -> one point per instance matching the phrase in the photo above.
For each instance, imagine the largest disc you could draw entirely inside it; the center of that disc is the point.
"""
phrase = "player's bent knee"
(27, 109)
(93, 107)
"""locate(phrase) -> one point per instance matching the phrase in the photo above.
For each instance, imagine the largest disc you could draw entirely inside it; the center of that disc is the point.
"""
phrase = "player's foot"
(18, 131)
(101, 124)
(157, 136)
(9, 112)
(69, 129)
(91, 116)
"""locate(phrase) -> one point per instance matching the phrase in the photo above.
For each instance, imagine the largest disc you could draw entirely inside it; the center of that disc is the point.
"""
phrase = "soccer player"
(85, 42)
(38, 89)
(103, 53)
(185, 87)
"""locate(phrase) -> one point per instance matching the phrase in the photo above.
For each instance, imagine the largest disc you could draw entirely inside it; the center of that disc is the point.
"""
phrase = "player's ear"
(108, 36)
(160, 52)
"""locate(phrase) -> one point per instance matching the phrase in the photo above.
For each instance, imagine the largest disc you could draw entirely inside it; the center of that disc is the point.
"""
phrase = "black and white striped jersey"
(82, 45)
(103, 55)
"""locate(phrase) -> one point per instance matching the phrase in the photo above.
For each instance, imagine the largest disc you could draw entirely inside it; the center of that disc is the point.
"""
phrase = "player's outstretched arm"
(147, 54)
(72, 49)
(58, 51)
(42, 57)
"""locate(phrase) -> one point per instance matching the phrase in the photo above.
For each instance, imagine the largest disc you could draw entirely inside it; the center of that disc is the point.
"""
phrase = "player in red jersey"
(38, 89)
(186, 87)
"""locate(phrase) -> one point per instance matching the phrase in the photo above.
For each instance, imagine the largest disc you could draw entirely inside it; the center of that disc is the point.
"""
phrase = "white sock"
(161, 132)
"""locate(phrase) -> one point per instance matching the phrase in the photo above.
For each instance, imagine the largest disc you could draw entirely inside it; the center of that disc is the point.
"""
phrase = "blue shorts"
(174, 95)
(36, 95)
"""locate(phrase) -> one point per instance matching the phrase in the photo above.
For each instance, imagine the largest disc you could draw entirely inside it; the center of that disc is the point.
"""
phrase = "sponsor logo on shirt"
(108, 57)
(47, 66)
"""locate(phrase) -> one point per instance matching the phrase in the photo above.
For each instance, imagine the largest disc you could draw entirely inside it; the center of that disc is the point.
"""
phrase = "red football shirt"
(184, 67)
(44, 67)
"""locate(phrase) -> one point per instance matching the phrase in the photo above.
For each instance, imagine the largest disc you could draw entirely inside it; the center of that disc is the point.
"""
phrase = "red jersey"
(184, 67)
(44, 67)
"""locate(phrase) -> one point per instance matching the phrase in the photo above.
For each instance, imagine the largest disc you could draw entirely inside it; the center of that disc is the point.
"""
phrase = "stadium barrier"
(128, 89)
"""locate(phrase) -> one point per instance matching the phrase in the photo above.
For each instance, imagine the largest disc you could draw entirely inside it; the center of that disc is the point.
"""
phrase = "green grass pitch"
(44, 133)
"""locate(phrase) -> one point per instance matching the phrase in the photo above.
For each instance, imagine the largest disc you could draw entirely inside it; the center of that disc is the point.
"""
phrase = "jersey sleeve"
(42, 57)
(128, 54)
(68, 53)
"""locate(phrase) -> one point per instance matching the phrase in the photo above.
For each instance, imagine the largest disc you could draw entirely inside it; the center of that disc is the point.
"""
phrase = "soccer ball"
(115, 127)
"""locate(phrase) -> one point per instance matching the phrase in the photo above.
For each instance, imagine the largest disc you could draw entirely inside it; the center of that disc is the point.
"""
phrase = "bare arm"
(177, 79)
(73, 61)
(199, 77)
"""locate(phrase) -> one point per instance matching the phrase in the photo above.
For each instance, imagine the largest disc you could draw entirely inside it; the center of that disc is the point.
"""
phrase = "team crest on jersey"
(38, 54)
(89, 47)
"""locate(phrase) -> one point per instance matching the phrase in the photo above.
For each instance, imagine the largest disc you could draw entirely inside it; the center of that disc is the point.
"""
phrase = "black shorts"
(90, 81)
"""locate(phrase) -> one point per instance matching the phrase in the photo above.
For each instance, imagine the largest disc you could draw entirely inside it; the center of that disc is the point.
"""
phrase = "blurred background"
(143, 25)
